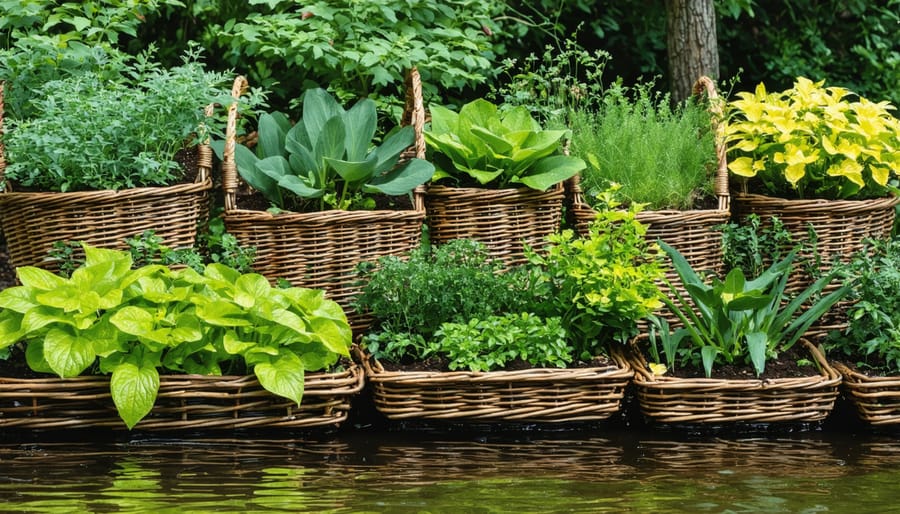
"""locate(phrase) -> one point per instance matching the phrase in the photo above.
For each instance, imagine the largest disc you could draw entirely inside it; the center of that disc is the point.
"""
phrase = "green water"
(619, 470)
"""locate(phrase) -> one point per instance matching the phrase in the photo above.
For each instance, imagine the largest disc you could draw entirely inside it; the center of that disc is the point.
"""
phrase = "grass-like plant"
(663, 155)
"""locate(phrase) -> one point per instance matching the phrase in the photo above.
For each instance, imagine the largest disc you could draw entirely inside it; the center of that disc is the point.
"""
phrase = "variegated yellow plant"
(812, 141)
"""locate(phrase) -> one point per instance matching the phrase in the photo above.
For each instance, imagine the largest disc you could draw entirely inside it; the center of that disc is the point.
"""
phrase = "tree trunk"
(691, 41)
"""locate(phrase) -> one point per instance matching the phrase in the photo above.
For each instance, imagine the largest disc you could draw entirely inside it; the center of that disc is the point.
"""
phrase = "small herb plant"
(602, 284)
(88, 132)
(663, 156)
(132, 323)
(810, 141)
(482, 145)
(872, 335)
(736, 320)
(328, 157)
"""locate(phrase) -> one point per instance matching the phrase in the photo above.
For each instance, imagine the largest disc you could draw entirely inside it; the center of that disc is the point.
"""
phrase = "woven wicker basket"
(321, 250)
(33, 221)
(503, 219)
(694, 233)
(547, 395)
(195, 402)
(877, 399)
(710, 401)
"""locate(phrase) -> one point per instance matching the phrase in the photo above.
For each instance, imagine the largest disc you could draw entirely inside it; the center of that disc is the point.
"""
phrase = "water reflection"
(414, 472)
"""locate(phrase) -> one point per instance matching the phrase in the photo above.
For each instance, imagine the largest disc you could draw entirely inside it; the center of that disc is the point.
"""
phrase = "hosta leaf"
(68, 354)
(403, 179)
(552, 170)
(756, 347)
(134, 388)
(282, 376)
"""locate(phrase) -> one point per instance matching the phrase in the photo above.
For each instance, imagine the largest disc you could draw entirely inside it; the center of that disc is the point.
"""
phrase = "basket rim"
(375, 373)
(802, 206)
(413, 115)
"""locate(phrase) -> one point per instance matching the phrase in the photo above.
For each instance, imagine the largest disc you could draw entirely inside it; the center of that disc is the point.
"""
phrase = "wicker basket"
(194, 402)
(504, 220)
(877, 399)
(696, 234)
(321, 250)
(546, 395)
(710, 401)
(33, 221)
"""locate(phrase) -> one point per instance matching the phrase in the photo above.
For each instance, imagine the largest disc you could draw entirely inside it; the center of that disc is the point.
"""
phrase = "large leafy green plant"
(131, 323)
(810, 141)
(503, 149)
(328, 157)
(735, 319)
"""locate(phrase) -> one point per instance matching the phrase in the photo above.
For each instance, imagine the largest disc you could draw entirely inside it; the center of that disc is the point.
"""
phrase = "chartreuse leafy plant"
(328, 157)
(602, 284)
(737, 320)
(813, 142)
(132, 323)
(480, 144)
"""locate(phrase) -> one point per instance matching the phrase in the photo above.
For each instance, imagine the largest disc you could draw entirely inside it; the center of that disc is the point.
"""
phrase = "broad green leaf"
(356, 171)
(403, 179)
(271, 137)
(315, 360)
(68, 354)
(39, 279)
(10, 328)
(249, 287)
(297, 142)
(121, 260)
(757, 344)
(134, 320)
(519, 119)
(319, 108)
(335, 335)
(223, 313)
(394, 144)
(221, 273)
(40, 317)
(282, 376)
(275, 168)
(360, 123)
(496, 142)
(552, 170)
(34, 356)
(134, 387)
(234, 345)
(300, 187)
(443, 120)
(17, 298)
(708, 356)
(330, 143)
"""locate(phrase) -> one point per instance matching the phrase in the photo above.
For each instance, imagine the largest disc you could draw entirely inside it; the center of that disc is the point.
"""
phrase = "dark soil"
(785, 366)
(255, 201)
(442, 364)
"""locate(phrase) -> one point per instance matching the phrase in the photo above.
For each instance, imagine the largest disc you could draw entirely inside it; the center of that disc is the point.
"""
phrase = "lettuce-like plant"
(329, 156)
(501, 149)
(134, 322)
(813, 142)
(738, 320)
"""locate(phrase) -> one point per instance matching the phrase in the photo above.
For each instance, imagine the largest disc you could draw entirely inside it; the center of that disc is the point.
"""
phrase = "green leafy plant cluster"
(91, 133)
(362, 49)
(492, 343)
(736, 320)
(872, 335)
(453, 282)
(664, 156)
(752, 246)
(480, 144)
(131, 323)
(812, 141)
(602, 284)
(329, 157)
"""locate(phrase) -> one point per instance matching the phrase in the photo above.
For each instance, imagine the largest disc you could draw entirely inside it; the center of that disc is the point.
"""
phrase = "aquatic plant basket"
(667, 399)
(545, 395)
(504, 220)
(696, 233)
(321, 250)
(876, 398)
(33, 221)
(184, 402)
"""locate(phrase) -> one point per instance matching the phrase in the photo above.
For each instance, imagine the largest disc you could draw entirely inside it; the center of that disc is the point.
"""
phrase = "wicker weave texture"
(33, 221)
(195, 402)
(504, 220)
(877, 399)
(709, 400)
(321, 250)
(534, 395)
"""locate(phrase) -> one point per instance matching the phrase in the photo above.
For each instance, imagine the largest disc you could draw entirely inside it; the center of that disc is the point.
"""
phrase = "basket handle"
(413, 114)
(706, 85)
(229, 167)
